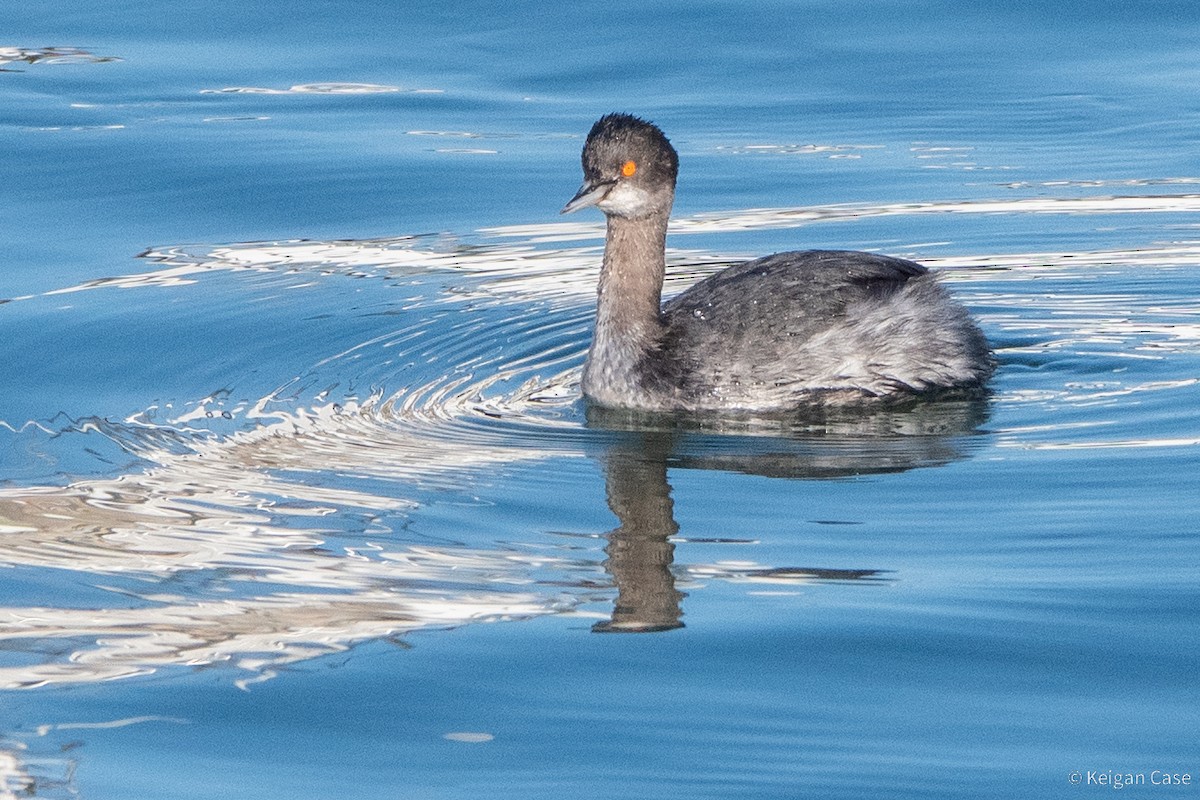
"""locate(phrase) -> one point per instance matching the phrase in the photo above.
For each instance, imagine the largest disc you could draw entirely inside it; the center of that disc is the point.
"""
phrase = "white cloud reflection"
(255, 515)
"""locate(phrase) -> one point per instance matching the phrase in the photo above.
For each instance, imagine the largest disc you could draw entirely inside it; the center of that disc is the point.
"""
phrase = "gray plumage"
(795, 329)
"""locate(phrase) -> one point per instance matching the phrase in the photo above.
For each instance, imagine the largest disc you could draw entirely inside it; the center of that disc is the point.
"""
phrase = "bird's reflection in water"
(640, 551)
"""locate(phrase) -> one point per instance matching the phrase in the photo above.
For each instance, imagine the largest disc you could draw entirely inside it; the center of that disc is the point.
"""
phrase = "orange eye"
(628, 168)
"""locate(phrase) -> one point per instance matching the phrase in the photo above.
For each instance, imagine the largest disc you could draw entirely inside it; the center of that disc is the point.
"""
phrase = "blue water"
(298, 498)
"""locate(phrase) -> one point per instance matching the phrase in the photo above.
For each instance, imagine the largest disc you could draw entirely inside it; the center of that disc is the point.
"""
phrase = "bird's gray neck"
(628, 314)
(631, 277)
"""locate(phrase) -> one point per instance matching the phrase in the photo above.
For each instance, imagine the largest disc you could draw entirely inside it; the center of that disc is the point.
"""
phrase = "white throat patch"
(626, 200)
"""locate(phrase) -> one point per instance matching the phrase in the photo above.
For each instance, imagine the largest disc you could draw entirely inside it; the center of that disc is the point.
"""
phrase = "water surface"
(298, 497)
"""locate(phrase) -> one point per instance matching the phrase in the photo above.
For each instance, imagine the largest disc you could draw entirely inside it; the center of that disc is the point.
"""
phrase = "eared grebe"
(818, 327)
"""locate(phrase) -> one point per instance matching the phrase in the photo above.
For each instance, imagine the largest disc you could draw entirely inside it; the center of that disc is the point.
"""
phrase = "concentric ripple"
(263, 530)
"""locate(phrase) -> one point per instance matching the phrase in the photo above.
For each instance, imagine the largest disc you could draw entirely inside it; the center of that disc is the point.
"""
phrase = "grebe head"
(629, 169)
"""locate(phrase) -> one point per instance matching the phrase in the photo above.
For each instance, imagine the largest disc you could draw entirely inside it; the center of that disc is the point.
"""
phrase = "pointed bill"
(588, 195)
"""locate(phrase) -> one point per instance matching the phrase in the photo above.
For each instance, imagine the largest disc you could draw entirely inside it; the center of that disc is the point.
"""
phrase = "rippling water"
(292, 334)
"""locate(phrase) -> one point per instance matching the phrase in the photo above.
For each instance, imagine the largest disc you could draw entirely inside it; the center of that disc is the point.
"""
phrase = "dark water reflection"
(833, 444)
(640, 551)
